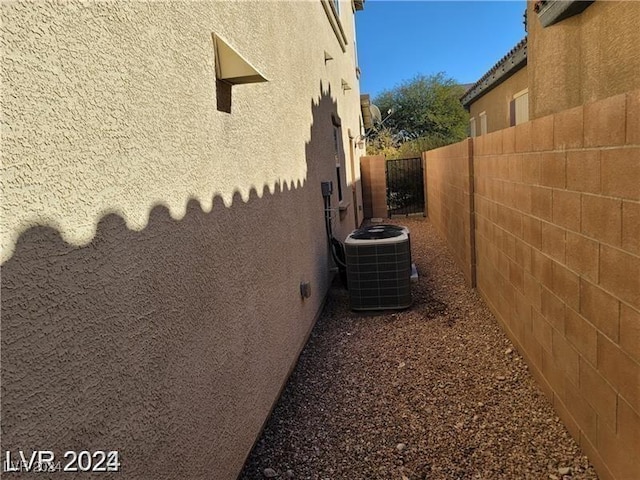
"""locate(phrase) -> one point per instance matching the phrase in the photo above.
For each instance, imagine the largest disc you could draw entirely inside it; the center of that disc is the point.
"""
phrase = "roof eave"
(515, 60)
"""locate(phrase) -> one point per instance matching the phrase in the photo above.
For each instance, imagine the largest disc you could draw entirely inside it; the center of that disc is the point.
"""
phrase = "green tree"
(426, 113)
(383, 142)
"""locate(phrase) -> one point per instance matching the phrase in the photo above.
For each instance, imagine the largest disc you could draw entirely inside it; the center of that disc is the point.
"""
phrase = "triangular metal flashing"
(233, 67)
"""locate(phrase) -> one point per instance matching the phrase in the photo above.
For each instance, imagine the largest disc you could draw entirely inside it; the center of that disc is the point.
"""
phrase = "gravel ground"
(433, 392)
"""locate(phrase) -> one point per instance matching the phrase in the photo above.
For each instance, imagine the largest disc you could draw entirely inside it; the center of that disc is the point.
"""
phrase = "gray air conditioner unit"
(378, 262)
(388, 228)
(395, 228)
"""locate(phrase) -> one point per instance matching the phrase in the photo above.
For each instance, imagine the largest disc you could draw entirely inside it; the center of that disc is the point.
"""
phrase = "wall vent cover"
(379, 268)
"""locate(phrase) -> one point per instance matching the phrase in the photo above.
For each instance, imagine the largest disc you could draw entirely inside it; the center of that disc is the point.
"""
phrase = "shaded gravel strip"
(433, 392)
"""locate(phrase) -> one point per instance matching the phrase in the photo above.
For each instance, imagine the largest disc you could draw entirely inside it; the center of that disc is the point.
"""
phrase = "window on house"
(519, 108)
(472, 127)
(483, 123)
(337, 147)
(355, 48)
(332, 9)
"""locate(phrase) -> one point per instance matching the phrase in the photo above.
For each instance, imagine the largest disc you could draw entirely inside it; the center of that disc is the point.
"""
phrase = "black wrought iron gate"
(405, 186)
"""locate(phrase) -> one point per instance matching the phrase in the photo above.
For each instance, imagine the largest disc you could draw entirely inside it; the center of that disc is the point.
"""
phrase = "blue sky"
(398, 40)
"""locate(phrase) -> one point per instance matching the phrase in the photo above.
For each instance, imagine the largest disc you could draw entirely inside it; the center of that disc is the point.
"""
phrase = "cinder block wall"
(449, 184)
(557, 238)
(374, 186)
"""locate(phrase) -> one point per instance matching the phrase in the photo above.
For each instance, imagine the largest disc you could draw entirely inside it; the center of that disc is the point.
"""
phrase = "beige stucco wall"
(496, 102)
(587, 57)
(101, 96)
(153, 246)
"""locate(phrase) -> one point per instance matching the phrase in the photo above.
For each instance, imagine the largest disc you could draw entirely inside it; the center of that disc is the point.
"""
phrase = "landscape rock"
(349, 398)
(270, 473)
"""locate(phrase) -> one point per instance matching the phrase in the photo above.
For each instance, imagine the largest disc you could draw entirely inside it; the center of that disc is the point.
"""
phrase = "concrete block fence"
(544, 219)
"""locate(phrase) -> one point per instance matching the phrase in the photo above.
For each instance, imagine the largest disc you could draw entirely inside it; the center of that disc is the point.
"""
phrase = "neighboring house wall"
(496, 102)
(153, 246)
(557, 251)
(589, 56)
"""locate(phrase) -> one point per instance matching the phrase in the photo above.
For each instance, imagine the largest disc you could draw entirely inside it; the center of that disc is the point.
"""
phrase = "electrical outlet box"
(305, 289)
(327, 188)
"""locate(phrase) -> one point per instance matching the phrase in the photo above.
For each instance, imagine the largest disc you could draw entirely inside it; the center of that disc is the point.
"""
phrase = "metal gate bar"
(405, 186)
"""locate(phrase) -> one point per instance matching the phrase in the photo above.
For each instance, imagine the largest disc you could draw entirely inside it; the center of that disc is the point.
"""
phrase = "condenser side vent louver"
(379, 268)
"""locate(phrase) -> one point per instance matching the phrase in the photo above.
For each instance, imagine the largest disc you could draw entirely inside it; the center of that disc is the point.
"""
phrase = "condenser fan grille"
(378, 269)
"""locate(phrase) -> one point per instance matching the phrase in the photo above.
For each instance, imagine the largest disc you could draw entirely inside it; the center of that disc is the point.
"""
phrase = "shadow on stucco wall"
(170, 344)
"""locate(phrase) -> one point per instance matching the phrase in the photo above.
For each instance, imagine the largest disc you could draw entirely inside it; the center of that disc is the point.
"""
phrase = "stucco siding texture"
(496, 102)
(587, 57)
(153, 247)
(101, 97)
